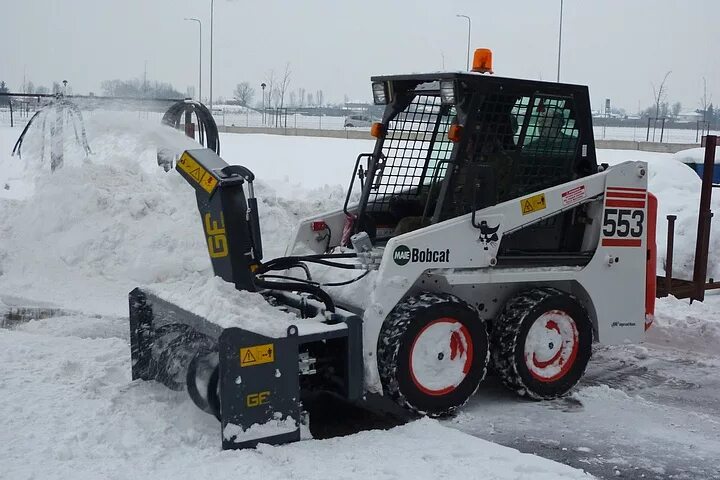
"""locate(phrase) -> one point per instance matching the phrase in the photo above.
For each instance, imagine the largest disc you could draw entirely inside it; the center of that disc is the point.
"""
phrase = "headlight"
(380, 94)
(447, 92)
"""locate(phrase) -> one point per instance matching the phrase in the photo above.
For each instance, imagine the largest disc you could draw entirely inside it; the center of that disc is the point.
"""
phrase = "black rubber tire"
(510, 332)
(397, 336)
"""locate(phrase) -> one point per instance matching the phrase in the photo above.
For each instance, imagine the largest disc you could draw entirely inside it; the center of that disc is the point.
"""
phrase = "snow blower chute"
(488, 229)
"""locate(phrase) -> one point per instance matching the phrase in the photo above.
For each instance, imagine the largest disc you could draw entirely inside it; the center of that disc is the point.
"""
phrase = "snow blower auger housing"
(487, 232)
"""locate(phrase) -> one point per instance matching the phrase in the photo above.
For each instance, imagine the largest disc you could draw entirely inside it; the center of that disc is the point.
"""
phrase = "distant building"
(689, 116)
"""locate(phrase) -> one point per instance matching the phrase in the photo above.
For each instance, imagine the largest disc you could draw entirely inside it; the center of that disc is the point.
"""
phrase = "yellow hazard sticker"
(533, 204)
(257, 355)
(195, 171)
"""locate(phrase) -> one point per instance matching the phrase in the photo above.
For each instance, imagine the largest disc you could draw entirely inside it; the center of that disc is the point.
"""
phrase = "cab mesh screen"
(415, 153)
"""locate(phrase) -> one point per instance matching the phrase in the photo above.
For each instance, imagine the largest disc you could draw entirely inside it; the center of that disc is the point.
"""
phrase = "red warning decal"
(573, 195)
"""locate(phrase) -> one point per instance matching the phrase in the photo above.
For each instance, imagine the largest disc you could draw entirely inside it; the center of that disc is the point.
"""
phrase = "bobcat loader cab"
(489, 217)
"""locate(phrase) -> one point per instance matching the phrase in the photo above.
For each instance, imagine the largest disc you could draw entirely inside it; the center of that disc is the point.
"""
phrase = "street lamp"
(212, 15)
(200, 58)
(560, 40)
(262, 85)
(468, 42)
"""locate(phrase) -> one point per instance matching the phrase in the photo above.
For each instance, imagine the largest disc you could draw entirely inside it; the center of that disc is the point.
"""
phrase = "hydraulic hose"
(299, 287)
(207, 128)
(284, 263)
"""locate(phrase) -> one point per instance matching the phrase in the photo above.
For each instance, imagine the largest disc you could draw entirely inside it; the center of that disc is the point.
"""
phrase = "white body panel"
(463, 262)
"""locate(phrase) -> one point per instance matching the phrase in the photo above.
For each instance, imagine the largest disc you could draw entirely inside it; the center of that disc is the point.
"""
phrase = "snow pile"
(219, 302)
(695, 155)
(694, 327)
(84, 236)
(677, 188)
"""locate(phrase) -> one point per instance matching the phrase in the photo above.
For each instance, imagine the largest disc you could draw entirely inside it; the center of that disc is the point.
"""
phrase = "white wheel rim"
(441, 356)
(551, 346)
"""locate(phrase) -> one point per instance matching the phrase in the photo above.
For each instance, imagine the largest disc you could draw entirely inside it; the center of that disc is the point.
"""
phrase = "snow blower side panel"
(250, 382)
(259, 388)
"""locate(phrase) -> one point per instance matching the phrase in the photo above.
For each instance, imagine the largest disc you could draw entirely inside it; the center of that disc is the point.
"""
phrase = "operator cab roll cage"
(517, 137)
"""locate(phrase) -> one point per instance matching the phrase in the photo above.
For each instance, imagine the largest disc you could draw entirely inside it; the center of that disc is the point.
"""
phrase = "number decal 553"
(623, 223)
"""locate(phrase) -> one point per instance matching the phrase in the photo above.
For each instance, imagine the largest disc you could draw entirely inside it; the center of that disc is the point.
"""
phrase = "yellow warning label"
(257, 355)
(188, 165)
(533, 204)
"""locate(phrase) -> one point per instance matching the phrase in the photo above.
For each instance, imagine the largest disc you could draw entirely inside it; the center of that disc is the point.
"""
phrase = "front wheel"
(432, 353)
(542, 343)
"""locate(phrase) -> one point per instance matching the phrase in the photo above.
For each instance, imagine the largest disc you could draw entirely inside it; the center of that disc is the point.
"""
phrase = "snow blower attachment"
(486, 229)
(249, 381)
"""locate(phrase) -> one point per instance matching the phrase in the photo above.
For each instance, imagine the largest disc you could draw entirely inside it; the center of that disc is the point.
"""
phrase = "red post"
(651, 263)
(189, 126)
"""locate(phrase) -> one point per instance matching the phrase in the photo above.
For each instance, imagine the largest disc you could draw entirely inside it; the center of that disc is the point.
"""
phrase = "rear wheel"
(542, 343)
(432, 353)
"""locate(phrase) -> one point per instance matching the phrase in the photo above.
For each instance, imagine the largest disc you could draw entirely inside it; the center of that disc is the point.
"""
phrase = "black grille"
(415, 154)
(548, 144)
(529, 142)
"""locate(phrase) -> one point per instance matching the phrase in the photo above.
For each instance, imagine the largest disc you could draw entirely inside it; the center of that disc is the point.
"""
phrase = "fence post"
(662, 130)
(669, 254)
(702, 243)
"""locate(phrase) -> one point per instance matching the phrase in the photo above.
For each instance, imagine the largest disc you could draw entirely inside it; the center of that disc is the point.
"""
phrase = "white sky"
(617, 47)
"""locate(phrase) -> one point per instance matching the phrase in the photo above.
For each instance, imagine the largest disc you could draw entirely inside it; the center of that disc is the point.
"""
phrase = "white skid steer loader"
(488, 234)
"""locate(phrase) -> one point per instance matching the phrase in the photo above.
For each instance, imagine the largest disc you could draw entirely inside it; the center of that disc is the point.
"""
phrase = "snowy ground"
(81, 238)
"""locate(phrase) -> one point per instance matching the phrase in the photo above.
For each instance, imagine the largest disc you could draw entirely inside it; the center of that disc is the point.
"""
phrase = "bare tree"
(4, 89)
(705, 100)
(270, 81)
(301, 96)
(244, 93)
(660, 93)
(320, 98)
(283, 84)
(659, 96)
(676, 108)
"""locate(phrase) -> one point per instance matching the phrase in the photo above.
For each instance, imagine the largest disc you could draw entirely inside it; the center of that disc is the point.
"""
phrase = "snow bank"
(87, 234)
(695, 155)
(694, 327)
(677, 188)
(71, 411)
